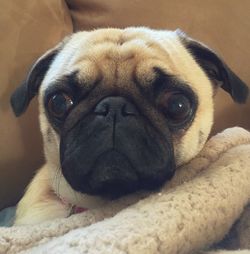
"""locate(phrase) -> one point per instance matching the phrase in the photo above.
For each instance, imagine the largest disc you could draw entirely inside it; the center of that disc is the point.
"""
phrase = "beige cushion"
(223, 25)
(27, 28)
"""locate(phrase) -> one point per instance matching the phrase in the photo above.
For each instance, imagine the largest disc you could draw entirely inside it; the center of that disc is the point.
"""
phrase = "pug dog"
(120, 110)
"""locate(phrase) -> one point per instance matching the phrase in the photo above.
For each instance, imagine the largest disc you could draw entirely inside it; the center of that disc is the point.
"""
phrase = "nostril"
(118, 106)
(128, 110)
(102, 110)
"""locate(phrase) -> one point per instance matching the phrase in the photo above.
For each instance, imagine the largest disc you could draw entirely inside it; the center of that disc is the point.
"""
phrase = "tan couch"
(28, 28)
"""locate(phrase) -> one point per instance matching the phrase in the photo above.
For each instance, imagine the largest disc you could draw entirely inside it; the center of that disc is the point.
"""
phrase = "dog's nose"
(115, 105)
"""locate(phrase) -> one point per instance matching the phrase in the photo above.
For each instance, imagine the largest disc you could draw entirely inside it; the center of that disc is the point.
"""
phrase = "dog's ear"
(22, 96)
(215, 68)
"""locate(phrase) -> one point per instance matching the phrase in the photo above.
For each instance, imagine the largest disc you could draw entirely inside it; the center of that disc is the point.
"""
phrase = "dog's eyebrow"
(162, 79)
(165, 81)
(71, 80)
(157, 84)
(68, 83)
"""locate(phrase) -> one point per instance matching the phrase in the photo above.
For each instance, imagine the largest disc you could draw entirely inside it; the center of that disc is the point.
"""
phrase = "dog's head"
(120, 109)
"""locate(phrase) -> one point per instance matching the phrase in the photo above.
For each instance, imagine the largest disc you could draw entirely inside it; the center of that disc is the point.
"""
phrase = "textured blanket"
(204, 208)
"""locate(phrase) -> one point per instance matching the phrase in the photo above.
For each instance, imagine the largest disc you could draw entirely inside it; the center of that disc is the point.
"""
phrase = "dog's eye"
(176, 106)
(59, 105)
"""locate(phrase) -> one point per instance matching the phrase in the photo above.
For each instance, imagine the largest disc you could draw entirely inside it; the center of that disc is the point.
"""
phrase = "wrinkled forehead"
(116, 56)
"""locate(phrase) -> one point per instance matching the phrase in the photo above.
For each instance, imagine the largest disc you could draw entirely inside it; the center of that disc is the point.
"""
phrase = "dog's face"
(120, 109)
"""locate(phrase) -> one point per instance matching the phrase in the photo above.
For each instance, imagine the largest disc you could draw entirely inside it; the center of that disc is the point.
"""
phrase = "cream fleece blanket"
(193, 212)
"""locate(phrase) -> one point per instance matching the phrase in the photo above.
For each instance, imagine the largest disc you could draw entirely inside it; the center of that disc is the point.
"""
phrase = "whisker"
(59, 174)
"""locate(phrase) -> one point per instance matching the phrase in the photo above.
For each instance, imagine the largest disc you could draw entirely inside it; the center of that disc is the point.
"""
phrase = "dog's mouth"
(111, 155)
(113, 175)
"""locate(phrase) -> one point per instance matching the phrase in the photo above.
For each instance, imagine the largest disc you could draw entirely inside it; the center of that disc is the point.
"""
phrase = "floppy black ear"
(22, 96)
(216, 69)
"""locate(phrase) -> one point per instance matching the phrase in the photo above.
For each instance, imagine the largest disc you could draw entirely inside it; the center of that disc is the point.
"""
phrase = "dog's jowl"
(120, 110)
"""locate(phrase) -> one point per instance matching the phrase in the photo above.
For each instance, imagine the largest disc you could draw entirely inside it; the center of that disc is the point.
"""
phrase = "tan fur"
(114, 56)
(41, 201)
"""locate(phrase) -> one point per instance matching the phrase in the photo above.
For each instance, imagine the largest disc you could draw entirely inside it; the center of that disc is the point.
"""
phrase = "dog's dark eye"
(59, 105)
(176, 106)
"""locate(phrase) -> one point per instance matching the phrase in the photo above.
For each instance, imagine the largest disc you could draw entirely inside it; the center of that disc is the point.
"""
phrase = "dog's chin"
(64, 191)
(73, 197)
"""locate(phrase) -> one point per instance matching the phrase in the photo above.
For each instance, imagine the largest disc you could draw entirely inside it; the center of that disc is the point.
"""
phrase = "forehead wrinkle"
(144, 72)
(107, 57)
(115, 35)
(89, 72)
(116, 45)
(116, 71)
(110, 49)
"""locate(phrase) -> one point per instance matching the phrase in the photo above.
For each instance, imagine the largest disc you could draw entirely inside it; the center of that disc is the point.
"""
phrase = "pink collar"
(77, 209)
(73, 208)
